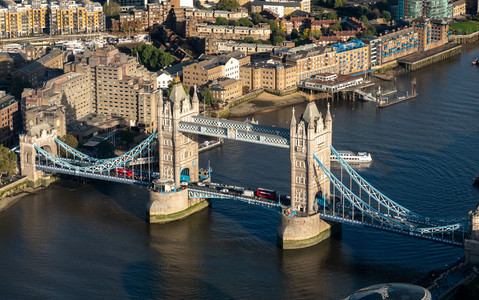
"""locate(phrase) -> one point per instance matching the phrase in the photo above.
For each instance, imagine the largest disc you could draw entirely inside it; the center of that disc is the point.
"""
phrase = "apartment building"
(391, 46)
(309, 60)
(257, 32)
(226, 89)
(211, 67)
(213, 45)
(105, 82)
(271, 75)
(434, 9)
(281, 8)
(431, 33)
(351, 57)
(36, 16)
(10, 119)
(203, 15)
(458, 8)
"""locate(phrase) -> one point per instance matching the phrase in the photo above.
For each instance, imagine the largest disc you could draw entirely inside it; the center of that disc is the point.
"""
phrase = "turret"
(195, 101)
(328, 122)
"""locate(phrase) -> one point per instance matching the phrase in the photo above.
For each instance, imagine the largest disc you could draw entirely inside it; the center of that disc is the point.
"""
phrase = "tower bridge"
(167, 162)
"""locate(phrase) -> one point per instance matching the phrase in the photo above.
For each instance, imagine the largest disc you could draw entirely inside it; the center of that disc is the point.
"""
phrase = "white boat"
(353, 157)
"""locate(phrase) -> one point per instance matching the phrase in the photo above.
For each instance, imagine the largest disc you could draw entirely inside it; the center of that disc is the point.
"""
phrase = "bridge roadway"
(242, 131)
(213, 190)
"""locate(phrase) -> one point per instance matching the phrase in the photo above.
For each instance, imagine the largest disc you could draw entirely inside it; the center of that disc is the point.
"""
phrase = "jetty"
(415, 61)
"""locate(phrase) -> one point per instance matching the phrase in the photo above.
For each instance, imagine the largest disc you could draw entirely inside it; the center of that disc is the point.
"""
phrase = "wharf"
(416, 61)
(399, 100)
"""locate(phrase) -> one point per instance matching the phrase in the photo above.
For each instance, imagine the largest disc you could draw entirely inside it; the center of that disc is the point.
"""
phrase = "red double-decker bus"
(265, 193)
(123, 172)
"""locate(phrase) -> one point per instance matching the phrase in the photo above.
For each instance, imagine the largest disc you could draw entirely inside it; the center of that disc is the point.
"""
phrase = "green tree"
(386, 15)
(111, 9)
(227, 5)
(70, 140)
(294, 34)
(221, 21)
(335, 27)
(257, 18)
(207, 96)
(273, 26)
(245, 22)
(278, 39)
(316, 33)
(8, 161)
(105, 149)
(332, 15)
(365, 20)
(127, 137)
(338, 3)
(152, 57)
(248, 39)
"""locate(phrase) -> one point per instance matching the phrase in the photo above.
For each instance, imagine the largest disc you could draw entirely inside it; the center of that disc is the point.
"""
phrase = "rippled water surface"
(76, 241)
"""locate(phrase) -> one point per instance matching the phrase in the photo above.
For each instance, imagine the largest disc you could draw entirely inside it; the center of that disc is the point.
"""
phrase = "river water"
(81, 241)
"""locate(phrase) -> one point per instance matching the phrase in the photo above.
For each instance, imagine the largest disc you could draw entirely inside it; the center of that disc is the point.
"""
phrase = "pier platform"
(420, 60)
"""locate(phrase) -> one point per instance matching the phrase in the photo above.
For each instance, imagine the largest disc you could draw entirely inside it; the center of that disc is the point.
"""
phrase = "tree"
(105, 149)
(8, 161)
(111, 9)
(306, 32)
(386, 15)
(335, 27)
(127, 137)
(248, 39)
(227, 5)
(221, 21)
(70, 140)
(278, 39)
(364, 19)
(272, 25)
(332, 15)
(245, 22)
(257, 18)
(316, 33)
(151, 57)
(245, 89)
(207, 96)
(294, 34)
(338, 3)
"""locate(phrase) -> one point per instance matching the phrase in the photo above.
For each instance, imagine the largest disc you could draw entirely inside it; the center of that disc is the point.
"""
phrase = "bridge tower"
(471, 245)
(44, 137)
(177, 156)
(311, 134)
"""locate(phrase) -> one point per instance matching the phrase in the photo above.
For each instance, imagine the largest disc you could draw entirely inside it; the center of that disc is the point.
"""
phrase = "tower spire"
(293, 120)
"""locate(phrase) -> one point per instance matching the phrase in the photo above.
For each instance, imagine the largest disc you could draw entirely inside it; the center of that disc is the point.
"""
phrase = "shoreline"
(265, 103)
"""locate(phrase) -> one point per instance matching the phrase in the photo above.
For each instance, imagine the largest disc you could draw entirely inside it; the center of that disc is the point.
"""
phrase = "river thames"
(81, 241)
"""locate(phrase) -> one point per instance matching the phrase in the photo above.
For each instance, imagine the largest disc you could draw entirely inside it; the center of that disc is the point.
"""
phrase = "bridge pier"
(302, 232)
(471, 245)
(168, 204)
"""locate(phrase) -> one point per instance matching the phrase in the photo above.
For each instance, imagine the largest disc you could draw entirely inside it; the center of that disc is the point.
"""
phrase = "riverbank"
(264, 103)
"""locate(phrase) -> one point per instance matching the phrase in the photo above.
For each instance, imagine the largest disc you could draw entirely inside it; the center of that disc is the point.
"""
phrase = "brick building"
(209, 68)
(269, 75)
(257, 32)
(226, 89)
(10, 119)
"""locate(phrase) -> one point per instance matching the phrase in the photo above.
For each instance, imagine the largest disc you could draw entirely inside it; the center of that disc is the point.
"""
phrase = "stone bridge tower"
(311, 134)
(177, 151)
(44, 137)
(178, 159)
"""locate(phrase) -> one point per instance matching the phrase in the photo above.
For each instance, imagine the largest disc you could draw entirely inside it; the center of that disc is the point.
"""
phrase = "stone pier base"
(303, 232)
(471, 251)
(172, 206)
